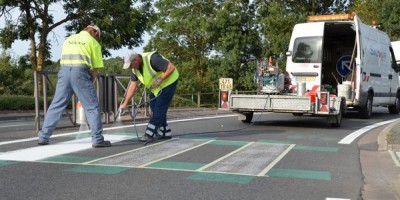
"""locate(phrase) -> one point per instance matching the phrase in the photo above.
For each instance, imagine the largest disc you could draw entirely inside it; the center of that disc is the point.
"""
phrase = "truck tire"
(395, 108)
(249, 117)
(366, 110)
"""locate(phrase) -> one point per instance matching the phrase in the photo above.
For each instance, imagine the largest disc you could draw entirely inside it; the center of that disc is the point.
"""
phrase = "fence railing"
(111, 90)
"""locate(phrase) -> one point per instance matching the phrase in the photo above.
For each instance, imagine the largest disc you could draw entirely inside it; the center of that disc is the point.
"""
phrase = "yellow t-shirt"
(82, 50)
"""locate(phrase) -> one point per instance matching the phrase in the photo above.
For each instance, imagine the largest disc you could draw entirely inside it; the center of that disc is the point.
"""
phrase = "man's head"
(93, 30)
(132, 60)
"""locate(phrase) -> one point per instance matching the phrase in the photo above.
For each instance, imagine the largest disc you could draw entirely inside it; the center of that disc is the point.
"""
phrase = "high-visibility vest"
(81, 50)
(149, 74)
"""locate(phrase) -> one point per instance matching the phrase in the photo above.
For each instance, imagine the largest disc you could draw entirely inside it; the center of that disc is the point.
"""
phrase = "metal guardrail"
(109, 89)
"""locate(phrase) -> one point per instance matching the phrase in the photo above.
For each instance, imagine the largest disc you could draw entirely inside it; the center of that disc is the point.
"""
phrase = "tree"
(390, 16)
(368, 10)
(16, 76)
(236, 43)
(120, 22)
(184, 39)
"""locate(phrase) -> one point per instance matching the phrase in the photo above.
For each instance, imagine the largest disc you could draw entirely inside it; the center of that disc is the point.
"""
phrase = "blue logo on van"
(374, 52)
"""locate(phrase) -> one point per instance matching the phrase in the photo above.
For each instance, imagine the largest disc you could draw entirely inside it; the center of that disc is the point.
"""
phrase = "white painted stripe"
(352, 136)
(395, 157)
(133, 150)
(16, 125)
(113, 128)
(328, 198)
(174, 154)
(223, 157)
(273, 163)
(42, 152)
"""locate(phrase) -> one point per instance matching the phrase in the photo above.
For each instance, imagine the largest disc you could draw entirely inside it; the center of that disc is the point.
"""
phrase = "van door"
(305, 54)
(395, 82)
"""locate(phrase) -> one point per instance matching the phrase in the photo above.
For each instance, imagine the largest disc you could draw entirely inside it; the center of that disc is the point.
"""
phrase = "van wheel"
(395, 108)
(366, 110)
(249, 117)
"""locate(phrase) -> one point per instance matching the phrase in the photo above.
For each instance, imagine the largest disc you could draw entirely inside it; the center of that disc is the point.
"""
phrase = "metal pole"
(198, 99)
(44, 94)
(36, 94)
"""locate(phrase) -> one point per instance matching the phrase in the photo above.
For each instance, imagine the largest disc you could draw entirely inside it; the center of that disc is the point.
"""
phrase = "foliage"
(390, 16)
(16, 78)
(184, 39)
(121, 23)
(218, 39)
(21, 102)
(385, 13)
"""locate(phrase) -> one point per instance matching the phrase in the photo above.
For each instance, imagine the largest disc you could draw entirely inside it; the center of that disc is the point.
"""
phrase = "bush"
(20, 102)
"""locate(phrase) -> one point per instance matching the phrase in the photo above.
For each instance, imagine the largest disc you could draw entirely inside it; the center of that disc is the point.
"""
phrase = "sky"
(57, 37)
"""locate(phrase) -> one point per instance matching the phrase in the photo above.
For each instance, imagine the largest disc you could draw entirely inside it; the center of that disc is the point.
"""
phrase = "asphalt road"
(279, 156)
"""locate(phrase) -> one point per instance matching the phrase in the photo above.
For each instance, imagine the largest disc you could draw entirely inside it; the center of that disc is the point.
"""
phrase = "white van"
(342, 55)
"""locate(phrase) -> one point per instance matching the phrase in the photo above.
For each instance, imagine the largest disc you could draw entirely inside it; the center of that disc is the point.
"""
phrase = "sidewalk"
(381, 165)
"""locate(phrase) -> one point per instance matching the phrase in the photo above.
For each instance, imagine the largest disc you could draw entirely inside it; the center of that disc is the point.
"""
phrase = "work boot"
(146, 139)
(166, 133)
(42, 142)
(102, 144)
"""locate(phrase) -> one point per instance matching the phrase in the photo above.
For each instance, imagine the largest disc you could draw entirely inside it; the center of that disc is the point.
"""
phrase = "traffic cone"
(81, 117)
(80, 114)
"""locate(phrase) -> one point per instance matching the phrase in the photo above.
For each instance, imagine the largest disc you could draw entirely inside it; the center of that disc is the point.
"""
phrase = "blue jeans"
(76, 80)
(159, 107)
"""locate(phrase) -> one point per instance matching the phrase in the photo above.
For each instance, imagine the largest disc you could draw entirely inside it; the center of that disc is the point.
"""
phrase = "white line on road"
(113, 128)
(42, 152)
(352, 136)
(16, 125)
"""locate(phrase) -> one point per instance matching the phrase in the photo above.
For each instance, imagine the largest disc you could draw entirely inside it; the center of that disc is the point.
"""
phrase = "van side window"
(395, 67)
(307, 50)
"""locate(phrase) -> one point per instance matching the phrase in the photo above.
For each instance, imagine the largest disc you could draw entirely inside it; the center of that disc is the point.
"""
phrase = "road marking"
(15, 125)
(352, 136)
(251, 159)
(273, 163)
(150, 154)
(223, 157)
(113, 128)
(328, 198)
(395, 157)
(217, 177)
(97, 169)
(304, 174)
(43, 152)
(316, 148)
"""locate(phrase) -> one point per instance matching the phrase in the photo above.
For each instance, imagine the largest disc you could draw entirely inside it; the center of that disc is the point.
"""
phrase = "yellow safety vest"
(81, 50)
(149, 74)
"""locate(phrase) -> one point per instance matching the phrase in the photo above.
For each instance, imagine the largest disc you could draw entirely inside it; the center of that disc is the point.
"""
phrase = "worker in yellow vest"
(81, 58)
(160, 76)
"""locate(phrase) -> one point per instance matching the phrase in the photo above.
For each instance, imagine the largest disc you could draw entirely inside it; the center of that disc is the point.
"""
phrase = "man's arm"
(94, 74)
(129, 93)
(168, 71)
(170, 68)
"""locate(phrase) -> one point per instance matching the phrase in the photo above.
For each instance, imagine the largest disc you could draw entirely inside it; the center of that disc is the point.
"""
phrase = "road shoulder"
(381, 175)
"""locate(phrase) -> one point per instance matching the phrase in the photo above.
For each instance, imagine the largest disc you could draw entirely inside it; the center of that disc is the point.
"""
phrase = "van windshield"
(307, 50)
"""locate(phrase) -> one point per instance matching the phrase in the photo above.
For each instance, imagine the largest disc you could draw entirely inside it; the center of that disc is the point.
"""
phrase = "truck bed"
(271, 103)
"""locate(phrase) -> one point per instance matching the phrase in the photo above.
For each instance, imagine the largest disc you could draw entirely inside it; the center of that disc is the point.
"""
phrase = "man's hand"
(156, 83)
(121, 111)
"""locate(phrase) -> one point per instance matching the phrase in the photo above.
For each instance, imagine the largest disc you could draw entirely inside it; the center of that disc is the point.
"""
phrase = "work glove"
(156, 83)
